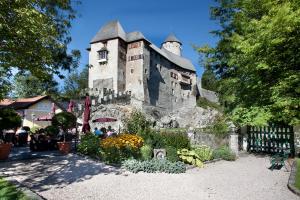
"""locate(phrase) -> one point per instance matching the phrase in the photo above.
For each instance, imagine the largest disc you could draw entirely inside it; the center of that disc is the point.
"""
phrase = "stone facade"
(128, 62)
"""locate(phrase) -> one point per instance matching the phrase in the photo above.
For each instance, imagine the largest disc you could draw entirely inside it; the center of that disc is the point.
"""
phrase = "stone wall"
(207, 94)
(202, 138)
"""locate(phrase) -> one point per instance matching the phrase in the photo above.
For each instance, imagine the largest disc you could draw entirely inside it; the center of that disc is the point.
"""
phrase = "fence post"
(233, 139)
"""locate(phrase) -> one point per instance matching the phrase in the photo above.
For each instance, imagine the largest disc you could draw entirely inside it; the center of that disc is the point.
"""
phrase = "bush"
(146, 152)
(219, 127)
(204, 103)
(172, 154)
(154, 165)
(89, 145)
(204, 153)
(224, 153)
(9, 119)
(64, 120)
(52, 131)
(121, 147)
(178, 140)
(136, 122)
(8, 191)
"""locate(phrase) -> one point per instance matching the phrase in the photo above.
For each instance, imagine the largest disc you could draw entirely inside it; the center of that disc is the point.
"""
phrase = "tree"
(26, 85)
(9, 119)
(34, 35)
(257, 59)
(208, 80)
(75, 83)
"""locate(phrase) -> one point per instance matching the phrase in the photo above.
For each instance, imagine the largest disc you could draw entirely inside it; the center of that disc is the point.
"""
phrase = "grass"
(297, 181)
(9, 192)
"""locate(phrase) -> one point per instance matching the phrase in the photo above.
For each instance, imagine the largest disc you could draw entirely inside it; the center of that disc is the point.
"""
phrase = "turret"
(172, 44)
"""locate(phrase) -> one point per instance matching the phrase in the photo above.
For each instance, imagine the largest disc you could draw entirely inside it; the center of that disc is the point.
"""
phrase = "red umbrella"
(71, 106)
(86, 115)
(105, 119)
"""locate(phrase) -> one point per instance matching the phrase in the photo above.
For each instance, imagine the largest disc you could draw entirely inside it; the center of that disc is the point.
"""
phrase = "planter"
(4, 151)
(64, 147)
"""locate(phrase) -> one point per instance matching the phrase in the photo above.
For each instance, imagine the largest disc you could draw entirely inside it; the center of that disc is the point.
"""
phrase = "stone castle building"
(154, 76)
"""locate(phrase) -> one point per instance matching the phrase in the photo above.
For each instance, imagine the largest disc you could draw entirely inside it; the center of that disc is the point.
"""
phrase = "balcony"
(184, 79)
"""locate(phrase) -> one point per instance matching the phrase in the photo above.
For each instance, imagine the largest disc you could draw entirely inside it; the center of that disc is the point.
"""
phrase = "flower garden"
(133, 150)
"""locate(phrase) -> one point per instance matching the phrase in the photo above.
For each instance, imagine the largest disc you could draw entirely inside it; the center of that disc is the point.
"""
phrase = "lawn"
(9, 192)
(297, 181)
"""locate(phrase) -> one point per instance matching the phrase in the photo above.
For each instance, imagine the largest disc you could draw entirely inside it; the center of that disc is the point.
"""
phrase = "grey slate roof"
(172, 38)
(111, 30)
(114, 29)
(178, 60)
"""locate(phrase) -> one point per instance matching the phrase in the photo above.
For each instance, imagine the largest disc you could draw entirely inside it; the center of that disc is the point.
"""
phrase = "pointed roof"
(111, 30)
(172, 38)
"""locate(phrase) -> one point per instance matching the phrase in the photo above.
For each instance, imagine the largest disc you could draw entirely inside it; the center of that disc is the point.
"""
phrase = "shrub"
(204, 103)
(89, 145)
(190, 157)
(152, 138)
(9, 191)
(146, 152)
(136, 122)
(178, 140)
(121, 147)
(172, 154)
(224, 153)
(9, 119)
(51, 131)
(204, 153)
(154, 165)
(64, 120)
(219, 127)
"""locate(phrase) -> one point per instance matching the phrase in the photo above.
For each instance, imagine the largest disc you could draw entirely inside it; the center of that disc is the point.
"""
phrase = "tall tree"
(26, 85)
(34, 35)
(257, 59)
(75, 83)
(208, 80)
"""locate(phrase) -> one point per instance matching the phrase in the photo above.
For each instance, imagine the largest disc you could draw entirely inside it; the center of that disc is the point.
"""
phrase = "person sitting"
(97, 132)
(110, 132)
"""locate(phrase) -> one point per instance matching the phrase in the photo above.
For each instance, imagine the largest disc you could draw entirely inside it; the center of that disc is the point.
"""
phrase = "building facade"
(154, 76)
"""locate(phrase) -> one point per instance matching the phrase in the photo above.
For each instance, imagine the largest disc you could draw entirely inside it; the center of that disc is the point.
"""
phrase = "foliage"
(146, 152)
(123, 140)
(172, 154)
(136, 122)
(121, 147)
(154, 165)
(152, 138)
(9, 119)
(89, 145)
(219, 127)
(26, 85)
(64, 120)
(224, 153)
(34, 35)
(9, 192)
(257, 60)
(208, 80)
(74, 83)
(205, 153)
(51, 131)
(297, 178)
(178, 140)
(204, 103)
(190, 157)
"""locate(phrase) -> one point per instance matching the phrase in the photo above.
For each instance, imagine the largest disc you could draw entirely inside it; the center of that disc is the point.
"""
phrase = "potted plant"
(9, 119)
(64, 121)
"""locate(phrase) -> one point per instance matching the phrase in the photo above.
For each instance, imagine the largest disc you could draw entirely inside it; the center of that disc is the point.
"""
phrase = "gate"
(271, 139)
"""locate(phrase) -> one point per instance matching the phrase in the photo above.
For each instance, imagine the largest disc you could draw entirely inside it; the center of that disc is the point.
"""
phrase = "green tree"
(34, 35)
(26, 85)
(257, 59)
(74, 83)
(208, 80)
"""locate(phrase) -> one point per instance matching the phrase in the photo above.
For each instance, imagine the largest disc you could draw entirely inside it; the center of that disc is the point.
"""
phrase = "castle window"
(146, 71)
(131, 71)
(134, 45)
(135, 57)
(102, 55)
(173, 92)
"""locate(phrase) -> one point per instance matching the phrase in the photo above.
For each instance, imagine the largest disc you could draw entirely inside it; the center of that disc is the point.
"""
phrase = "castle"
(123, 62)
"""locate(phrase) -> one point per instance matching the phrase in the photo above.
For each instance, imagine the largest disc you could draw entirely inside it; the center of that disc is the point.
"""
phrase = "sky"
(189, 20)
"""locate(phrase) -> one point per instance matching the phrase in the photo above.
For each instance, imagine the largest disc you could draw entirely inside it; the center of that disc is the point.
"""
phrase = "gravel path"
(74, 177)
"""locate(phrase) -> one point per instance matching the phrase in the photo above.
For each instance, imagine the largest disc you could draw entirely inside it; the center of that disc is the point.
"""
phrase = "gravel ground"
(74, 177)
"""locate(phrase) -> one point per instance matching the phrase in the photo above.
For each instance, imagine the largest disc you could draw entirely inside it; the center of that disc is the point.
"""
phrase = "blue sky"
(189, 20)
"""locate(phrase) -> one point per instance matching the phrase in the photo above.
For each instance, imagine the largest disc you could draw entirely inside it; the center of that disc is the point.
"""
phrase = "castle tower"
(172, 44)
